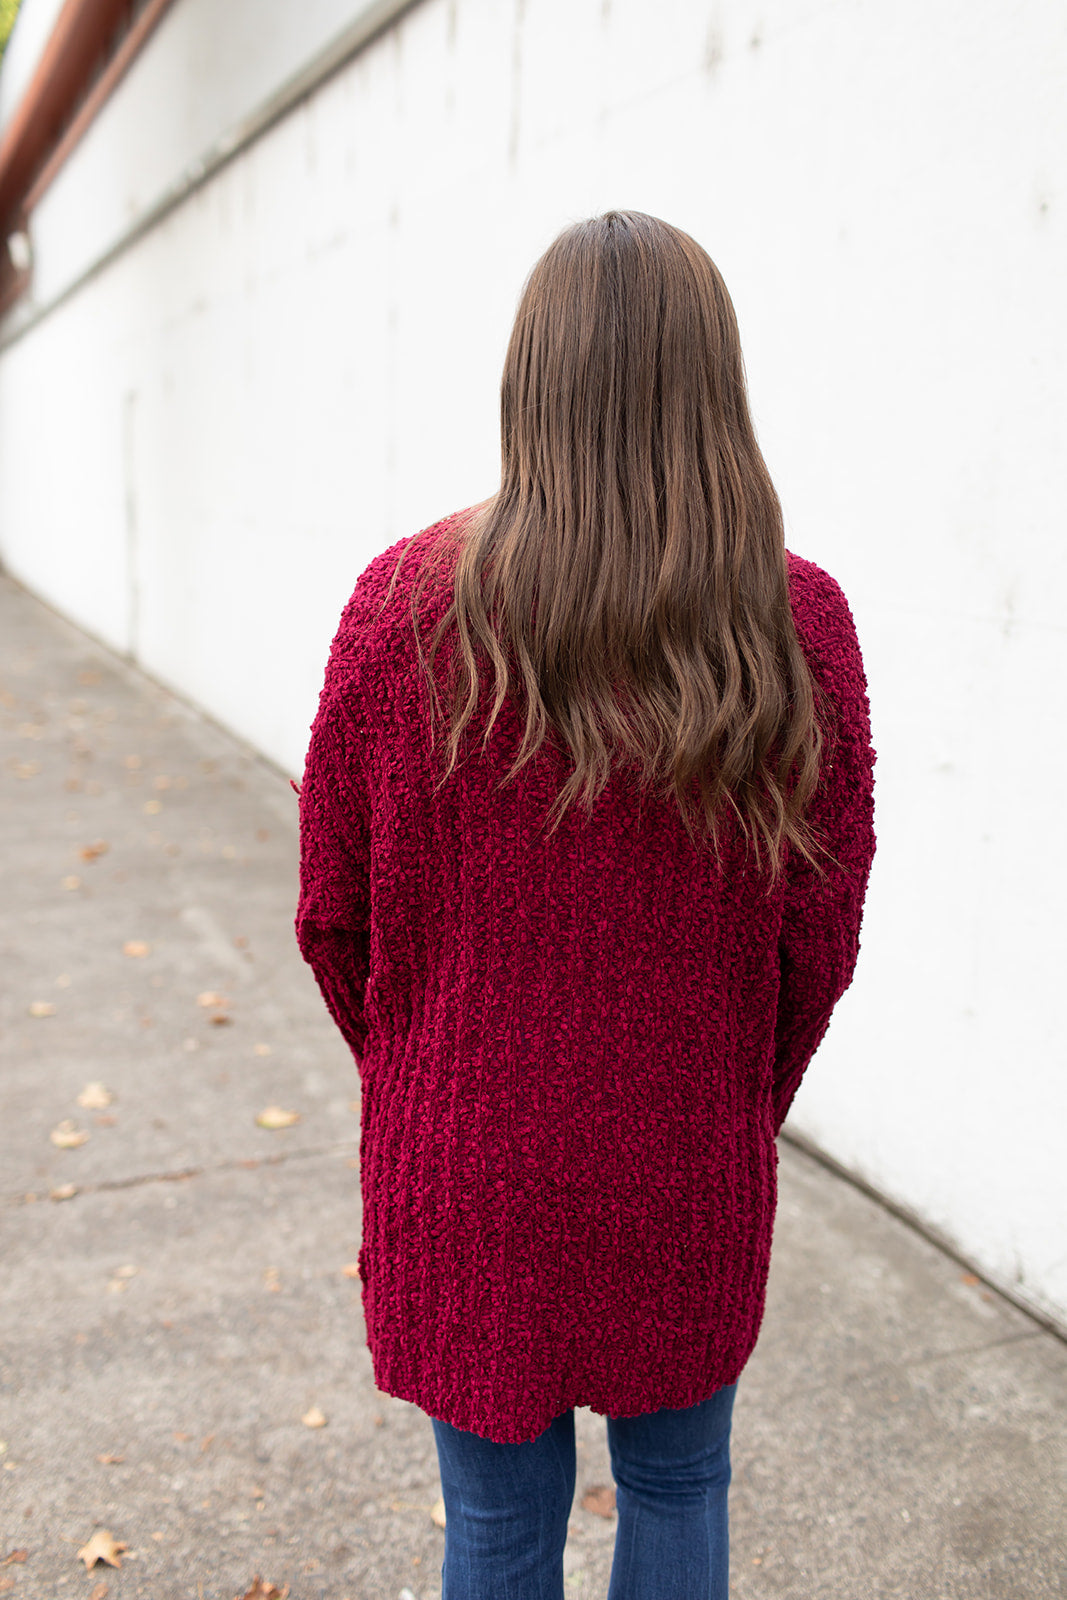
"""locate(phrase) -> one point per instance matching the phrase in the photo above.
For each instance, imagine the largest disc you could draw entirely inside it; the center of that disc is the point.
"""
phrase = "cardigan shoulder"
(378, 612)
(827, 635)
(821, 614)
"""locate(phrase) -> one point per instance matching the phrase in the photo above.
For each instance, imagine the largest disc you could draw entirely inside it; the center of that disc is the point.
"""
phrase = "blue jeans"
(507, 1505)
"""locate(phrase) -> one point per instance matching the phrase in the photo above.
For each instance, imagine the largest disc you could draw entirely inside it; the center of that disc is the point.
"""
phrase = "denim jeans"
(507, 1505)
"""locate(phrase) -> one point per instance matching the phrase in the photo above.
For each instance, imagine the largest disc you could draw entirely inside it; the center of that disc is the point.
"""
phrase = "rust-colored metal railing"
(89, 49)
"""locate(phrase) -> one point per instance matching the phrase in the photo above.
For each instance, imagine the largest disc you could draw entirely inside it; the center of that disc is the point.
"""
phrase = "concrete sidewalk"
(174, 1297)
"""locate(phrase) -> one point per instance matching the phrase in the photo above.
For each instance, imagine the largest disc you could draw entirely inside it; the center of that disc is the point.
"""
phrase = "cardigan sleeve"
(819, 940)
(333, 913)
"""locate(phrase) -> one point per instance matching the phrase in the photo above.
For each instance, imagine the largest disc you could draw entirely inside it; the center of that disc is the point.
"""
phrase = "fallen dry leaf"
(136, 948)
(15, 1558)
(68, 1137)
(209, 999)
(89, 852)
(220, 1019)
(128, 1271)
(131, 763)
(27, 769)
(109, 1460)
(6, 1584)
(437, 1512)
(42, 1008)
(152, 808)
(263, 1591)
(65, 1191)
(600, 1500)
(351, 1270)
(99, 1591)
(277, 1117)
(70, 882)
(94, 1097)
(313, 1418)
(103, 1546)
(261, 1049)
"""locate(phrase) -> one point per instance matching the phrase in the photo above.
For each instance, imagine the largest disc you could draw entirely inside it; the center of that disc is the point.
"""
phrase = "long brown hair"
(629, 578)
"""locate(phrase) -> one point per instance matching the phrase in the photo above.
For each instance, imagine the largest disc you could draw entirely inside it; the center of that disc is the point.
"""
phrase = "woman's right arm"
(819, 940)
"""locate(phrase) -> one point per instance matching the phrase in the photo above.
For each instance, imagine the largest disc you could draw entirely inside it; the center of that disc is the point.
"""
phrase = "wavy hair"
(628, 581)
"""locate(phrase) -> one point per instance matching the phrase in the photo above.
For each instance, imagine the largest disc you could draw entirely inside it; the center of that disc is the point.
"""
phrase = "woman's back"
(577, 1044)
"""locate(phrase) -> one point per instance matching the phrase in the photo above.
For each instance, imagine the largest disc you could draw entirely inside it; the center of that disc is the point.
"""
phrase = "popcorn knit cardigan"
(575, 1051)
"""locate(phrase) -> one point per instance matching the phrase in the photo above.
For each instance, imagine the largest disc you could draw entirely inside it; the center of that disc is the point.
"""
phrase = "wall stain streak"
(310, 149)
(714, 48)
(451, 31)
(133, 564)
(516, 82)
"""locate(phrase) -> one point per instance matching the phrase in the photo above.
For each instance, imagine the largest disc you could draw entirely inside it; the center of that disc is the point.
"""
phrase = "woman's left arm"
(333, 915)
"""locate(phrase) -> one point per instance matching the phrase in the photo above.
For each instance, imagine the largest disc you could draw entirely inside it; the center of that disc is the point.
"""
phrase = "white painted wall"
(201, 448)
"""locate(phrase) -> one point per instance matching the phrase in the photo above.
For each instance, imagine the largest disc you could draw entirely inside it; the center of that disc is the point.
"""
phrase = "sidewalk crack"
(971, 1349)
(348, 1147)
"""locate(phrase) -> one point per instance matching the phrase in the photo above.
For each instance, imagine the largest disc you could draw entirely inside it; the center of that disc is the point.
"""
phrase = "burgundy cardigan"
(575, 1051)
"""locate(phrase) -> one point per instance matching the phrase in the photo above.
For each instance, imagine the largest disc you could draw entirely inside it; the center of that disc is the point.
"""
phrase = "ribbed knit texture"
(575, 1051)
